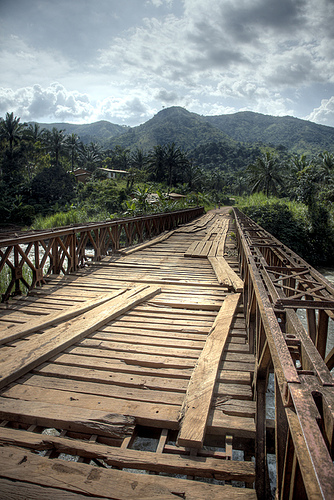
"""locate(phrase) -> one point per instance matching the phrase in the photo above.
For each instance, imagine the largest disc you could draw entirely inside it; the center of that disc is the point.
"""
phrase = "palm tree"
(265, 174)
(176, 161)
(11, 130)
(193, 175)
(138, 159)
(34, 133)
(157, 163)
(34, 138)
(326, 169)
(56, 143)
(73, 144)
(90, 156)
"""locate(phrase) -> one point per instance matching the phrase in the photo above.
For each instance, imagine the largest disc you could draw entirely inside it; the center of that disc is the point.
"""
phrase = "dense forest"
(204, 164)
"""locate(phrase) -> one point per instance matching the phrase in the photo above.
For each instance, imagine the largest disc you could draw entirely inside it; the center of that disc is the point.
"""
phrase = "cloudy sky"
(124, 60)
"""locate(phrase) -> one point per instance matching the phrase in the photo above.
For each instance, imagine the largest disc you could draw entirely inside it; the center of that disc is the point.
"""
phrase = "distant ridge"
(293, 133)
(190, 130)
(92, 132)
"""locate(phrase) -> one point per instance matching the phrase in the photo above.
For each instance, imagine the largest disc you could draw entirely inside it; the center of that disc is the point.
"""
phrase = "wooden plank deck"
(97, 365)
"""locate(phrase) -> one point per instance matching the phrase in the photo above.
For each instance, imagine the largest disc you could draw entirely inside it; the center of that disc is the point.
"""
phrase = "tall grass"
(73, 216)
(6, 276)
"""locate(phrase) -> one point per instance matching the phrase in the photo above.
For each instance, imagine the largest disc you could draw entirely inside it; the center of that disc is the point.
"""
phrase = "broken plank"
(197, 403)
(90, 421)
(134, 459)
(22, 465)
(145, 413)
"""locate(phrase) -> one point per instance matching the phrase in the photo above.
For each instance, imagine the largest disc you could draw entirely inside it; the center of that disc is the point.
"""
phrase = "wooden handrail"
(278, 283)
(64, 250)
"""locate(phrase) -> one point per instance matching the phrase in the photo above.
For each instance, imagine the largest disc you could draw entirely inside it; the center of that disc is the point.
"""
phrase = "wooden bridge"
(164, 357)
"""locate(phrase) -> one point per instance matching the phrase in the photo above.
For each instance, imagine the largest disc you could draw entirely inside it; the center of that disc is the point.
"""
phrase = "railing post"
(260, 441)
(55, 267)
(17, 272)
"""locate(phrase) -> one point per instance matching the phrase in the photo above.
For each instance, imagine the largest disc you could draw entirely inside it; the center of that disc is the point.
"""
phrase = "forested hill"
(93, 132)
(190, 130)
(187, 130)
(299, 136)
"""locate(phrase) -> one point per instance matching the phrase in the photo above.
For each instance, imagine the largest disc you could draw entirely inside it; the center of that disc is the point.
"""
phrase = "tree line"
(37, 165)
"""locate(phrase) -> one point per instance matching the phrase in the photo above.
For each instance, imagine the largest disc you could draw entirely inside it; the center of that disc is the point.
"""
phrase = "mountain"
(299, 136)
(190, 130)
(187, 130)
(92, 132)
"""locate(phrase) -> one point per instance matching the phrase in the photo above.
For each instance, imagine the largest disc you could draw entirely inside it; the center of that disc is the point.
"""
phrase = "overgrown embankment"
(309, 231)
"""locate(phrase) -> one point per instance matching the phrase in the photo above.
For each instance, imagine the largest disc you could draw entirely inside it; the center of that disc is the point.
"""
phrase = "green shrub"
(307, 232)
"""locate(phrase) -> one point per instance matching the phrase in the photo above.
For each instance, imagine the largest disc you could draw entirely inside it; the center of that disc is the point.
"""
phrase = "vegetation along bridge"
(181, 355)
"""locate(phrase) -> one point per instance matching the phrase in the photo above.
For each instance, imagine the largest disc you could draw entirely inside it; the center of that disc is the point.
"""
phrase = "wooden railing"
(26, 259)
(278, 284)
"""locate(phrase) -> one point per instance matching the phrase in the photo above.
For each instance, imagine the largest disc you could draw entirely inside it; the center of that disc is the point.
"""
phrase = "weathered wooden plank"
(19, 490)
(204, 304)
(117, 365)
(42, 322)
(124, 380)
(220, 424)
(223, 272)
(149, 320)
(237, 391)
(147, 244)
(145, 413)
(170, 311)
(134, 459)
(89, 421)
(197, 403)
(113, 391)
(125, 332)
(53, 341)
(206, 249)
(141, 359)
(77, 412)
(19, 464)
(165, 327)
(198, 251)
(139, 348)
(174, 314)
(156, 339)
(213, 250)
(191, 248)
(234, 407)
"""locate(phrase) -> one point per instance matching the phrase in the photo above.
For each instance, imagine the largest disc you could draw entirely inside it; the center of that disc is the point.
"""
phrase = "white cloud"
(53, 102)
(204, 54)
(168, 97)
(127, 110)
(159, 3)
(324, 114)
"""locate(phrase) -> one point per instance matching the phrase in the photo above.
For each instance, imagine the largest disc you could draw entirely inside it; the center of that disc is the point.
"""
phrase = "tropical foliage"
(37, 180)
